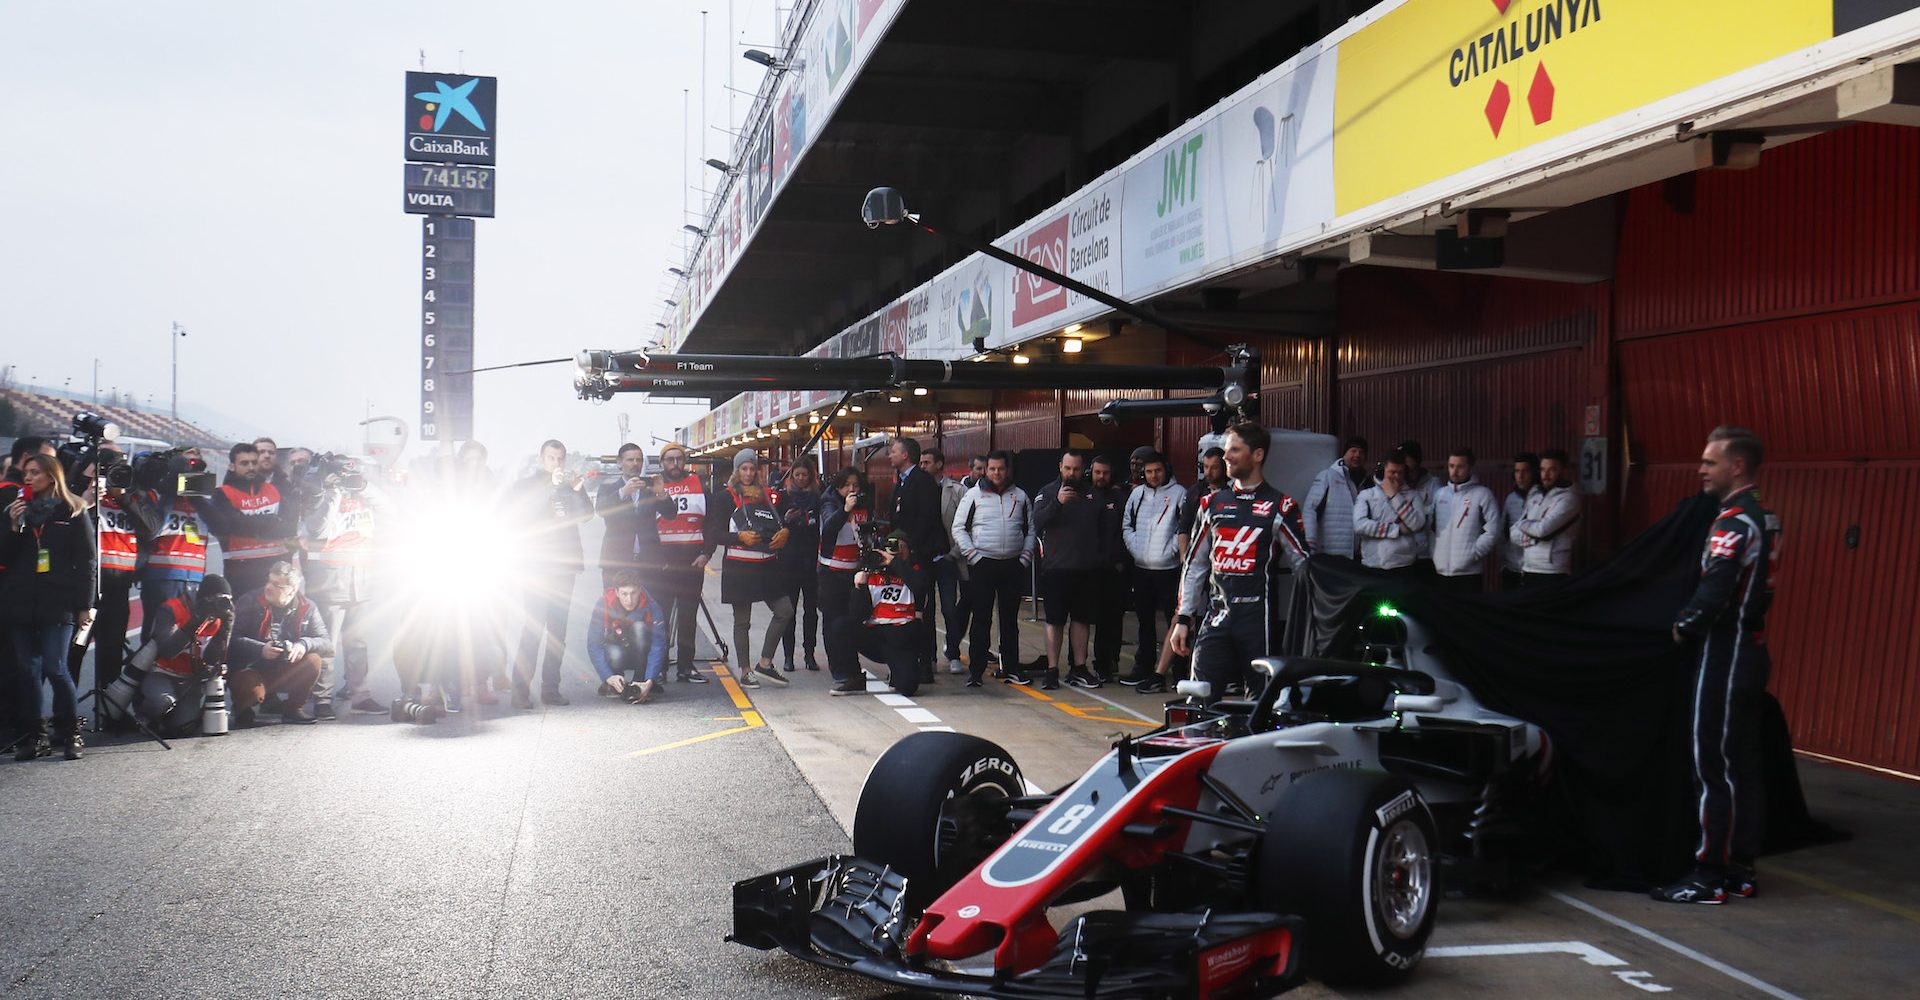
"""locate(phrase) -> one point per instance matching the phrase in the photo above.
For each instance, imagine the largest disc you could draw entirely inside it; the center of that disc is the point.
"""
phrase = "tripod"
(127, 653)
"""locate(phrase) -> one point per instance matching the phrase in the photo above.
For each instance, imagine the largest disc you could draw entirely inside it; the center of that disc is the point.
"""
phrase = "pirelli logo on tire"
(1401, 804)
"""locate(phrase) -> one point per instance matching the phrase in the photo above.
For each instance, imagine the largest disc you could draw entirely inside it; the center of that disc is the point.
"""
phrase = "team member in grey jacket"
(1548, 528)
(1390, 518)
(1150, 525)
(993, 529)
(1467, 526)
(1526, 482)
(1328, 513)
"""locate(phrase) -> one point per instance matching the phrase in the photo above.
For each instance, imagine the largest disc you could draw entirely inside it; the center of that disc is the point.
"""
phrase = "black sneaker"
(1135, 678)
(696, 677)
(852, 685)
(323, 711)
(1081, 677)
(767, 671)
(1014, 677)
(1741, 880)
(1154, 684)
(367, 706)
(297, 715)
(973, 682)
(1050, 680)
(71, 749)
(1697, 886)
(789, 668)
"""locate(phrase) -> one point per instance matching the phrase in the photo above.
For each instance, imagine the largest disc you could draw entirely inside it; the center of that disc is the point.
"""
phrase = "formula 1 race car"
(1251, 843)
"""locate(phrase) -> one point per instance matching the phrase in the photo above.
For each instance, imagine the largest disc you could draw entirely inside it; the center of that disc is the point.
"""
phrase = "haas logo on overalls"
(1233, 549)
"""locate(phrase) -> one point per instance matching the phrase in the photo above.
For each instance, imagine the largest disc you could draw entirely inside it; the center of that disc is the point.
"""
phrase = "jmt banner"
(1436, 87)
(450, 118)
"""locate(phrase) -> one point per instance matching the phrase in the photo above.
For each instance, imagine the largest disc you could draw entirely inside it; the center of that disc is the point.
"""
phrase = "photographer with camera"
(341, 527)
(256, 525)
(627, 633)
(46, 591)
(748, 575)
(843, 511)
(799, 511)
(190, 640)
(553, 502)
(175, 485)
(888, 602)
(617, 503)
(279, 643)
(125, 531)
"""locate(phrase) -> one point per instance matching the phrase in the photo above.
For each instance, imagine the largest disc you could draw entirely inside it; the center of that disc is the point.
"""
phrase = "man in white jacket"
(1467, 527)
(1150, 524)
(993, 529)
(1526, 482)
(1390, 518)
(1328, 513)
(1548, 528)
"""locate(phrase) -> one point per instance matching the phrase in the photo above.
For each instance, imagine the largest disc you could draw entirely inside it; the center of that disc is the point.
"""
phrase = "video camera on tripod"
(112, 470)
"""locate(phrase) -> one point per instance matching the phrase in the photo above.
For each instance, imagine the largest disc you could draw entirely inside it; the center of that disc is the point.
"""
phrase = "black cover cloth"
(1591, 660)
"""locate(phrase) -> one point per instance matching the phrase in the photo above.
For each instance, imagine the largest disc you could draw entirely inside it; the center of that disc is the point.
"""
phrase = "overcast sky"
(235, 166)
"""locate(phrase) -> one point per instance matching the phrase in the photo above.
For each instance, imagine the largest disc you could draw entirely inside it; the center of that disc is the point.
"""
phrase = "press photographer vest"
(180, 664)
(119, 547)
(892, 601)
(346, 536)
(846, 545)
(265, 503)
(687, 524)
(179, 543)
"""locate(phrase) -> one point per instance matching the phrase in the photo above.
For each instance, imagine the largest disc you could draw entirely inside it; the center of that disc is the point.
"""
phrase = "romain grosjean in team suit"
(1242, 536)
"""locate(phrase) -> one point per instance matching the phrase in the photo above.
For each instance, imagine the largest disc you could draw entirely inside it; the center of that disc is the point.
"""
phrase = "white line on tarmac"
(1586, 952)
(1674, 946)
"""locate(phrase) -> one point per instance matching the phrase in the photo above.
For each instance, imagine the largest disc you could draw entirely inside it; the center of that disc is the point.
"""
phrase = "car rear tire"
(928, 809)
(1352, 851)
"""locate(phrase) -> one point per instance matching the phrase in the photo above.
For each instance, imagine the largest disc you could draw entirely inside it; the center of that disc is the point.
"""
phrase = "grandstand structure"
(51, 415)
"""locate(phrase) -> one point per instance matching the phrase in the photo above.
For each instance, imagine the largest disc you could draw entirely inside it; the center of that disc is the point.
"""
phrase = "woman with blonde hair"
(47, 589)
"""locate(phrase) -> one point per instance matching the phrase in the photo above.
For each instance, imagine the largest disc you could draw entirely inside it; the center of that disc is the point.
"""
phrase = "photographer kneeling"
(190, 642)
(280, 643)
(628, 633)
(885, 601)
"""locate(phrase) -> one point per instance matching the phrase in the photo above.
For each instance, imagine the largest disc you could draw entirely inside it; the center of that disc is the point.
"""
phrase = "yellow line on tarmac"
(1075, 710)
(1872, 902)
(747, 715)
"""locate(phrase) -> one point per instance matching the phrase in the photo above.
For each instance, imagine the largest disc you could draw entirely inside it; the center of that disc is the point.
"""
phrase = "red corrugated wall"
(1500, 365)
(1788, 299)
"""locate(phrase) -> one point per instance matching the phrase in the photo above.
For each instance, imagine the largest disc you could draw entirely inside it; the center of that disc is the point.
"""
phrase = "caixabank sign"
(1435, 87)
(450, 118)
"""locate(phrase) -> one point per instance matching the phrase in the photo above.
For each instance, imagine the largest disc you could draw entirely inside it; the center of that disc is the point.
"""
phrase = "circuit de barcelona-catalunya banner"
(1415, 94)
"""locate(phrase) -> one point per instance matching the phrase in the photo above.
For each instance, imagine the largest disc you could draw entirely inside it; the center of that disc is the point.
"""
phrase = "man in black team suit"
(916, 514)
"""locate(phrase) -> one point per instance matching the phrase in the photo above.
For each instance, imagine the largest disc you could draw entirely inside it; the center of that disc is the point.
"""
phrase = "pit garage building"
(1600, 225)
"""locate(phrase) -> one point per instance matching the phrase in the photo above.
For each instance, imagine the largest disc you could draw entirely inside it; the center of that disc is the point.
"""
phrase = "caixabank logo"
(450, 118)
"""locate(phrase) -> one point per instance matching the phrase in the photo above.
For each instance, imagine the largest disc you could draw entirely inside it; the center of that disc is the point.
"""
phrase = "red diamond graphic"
(1497, 103)
(1501, 6)
(1540, 96)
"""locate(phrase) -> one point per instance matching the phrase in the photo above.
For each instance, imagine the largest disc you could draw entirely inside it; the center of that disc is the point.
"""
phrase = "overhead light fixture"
(695, 230)
(722, 166)
(919, 390)
(670, 302)
(1072, 345)
(676, 272)
(813, 418)
(1021, 359)
(767, 59)
(857, 408)
(793, 425)
(893, 397)
(661, 325)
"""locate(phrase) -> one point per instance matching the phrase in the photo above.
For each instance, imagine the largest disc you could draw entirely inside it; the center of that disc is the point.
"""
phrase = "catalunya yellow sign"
(1435, 87)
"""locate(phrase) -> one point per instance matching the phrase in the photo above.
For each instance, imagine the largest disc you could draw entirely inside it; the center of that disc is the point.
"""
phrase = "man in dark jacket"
(916, 514)
(1111, 496)
(799, 511)
(1068, 520)
(279, 643)
(615, 502)
(552, 503)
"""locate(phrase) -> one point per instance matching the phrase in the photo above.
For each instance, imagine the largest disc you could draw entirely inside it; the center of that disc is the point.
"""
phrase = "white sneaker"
(956, 667)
